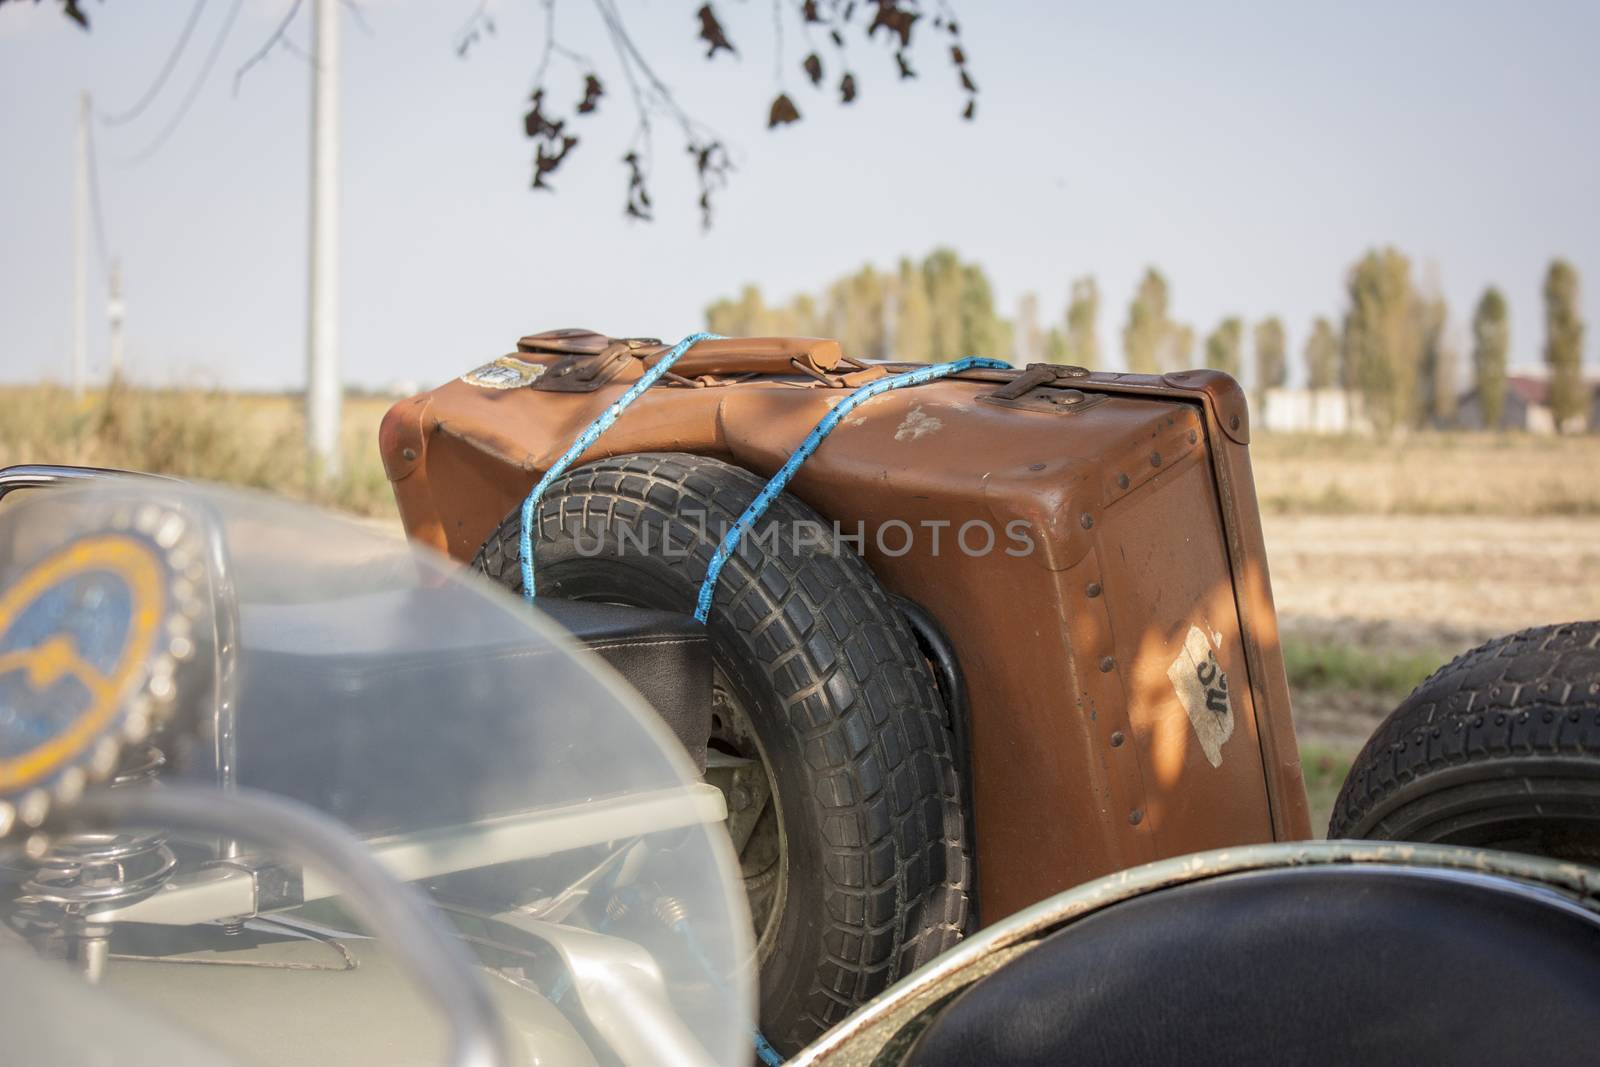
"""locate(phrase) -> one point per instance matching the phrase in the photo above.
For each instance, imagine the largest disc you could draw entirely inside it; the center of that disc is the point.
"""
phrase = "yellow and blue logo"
(77, 631)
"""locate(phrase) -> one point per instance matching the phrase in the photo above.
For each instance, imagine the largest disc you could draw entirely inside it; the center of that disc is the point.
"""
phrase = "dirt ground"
(1388, 584)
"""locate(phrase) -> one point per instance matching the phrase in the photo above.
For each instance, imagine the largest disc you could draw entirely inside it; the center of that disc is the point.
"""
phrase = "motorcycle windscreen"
(549, 815)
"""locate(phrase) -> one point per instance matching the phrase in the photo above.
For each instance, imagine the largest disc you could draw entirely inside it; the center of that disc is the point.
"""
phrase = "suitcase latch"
(1036, 389)
(585, 372)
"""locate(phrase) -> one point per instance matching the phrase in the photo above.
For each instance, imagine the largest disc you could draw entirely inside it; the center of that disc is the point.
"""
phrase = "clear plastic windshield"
(155, 636)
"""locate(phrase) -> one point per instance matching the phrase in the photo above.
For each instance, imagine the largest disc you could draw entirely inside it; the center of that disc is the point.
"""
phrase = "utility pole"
(80, 251)
(324, 393)
(891, 319)
(115, 311)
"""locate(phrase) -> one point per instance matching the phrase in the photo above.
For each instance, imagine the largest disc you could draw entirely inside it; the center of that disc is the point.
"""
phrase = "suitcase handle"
(722, 355)
(756, 355)
(587, 359)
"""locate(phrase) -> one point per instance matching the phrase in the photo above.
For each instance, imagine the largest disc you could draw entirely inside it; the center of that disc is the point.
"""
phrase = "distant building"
(1527, 406)
(1338, 411)
(1312, 411)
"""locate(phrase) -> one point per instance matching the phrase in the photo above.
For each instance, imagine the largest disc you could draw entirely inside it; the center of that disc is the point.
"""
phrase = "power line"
(262, 52)
(359, 17)
(161, 78)
(194, 89)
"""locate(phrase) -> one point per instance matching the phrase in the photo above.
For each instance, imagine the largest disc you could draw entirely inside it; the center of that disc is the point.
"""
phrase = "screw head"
(1107, 664)
(1117, 739)
(408, 454)
(1155, 459)
(1092, 589)
(1086, 520)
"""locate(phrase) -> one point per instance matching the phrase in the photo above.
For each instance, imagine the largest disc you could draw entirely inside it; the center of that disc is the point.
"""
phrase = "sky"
(1252, 151)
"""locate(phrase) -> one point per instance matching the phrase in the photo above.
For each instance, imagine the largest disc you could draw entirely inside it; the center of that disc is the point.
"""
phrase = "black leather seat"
(663, 655)
(411, 708)
(1321, 965)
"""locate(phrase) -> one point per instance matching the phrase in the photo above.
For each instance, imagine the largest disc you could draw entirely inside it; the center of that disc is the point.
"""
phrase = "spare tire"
(1498, 749)
(836, 754)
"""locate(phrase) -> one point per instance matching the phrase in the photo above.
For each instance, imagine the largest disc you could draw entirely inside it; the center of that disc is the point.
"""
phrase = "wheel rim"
(1542, 807)
(737, 764)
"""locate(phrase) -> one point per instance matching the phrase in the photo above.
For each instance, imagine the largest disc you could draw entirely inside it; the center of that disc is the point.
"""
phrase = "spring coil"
(97, 869)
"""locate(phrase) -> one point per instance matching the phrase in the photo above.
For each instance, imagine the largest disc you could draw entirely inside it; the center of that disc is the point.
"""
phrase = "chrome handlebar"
(396, 912)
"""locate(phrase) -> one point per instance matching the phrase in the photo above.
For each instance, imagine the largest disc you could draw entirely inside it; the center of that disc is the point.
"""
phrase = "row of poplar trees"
(922, 312)
(1391, 348)
(1394, 353)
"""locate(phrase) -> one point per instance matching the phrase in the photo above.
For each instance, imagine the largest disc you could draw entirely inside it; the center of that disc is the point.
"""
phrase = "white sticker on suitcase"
(1202, 689)
(507, 372)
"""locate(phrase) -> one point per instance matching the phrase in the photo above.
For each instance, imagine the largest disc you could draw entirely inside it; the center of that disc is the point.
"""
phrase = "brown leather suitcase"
(1127, 695)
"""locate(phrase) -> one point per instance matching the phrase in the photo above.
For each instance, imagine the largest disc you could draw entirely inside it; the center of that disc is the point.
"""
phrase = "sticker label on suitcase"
(507, 372)
(1202, 689)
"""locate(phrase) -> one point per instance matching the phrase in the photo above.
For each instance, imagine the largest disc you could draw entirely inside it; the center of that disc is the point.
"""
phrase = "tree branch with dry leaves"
(891, 25)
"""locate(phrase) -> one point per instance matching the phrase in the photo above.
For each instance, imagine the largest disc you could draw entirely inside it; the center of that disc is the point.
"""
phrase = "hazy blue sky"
(1251, 150)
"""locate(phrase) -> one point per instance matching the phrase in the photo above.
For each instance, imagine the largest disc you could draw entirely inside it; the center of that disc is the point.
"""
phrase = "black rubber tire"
(841, 698)
(1498, 749)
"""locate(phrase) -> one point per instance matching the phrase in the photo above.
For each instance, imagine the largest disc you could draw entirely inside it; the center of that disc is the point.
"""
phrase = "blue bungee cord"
(530, 506)
(818, 434)
(758, 507)
(746, 521)
(769, 1056)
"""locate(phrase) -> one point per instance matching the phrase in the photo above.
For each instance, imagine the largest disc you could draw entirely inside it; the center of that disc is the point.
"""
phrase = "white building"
(1323, 411)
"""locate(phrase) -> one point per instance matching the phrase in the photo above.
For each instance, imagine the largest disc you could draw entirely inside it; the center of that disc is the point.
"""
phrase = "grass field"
(1340, 690)
(254, 440)
(1325, 767)
(1387, 558)
(1429, 474)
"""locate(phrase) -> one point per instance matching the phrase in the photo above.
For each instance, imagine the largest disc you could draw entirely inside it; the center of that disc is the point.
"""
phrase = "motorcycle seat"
(1314, 965)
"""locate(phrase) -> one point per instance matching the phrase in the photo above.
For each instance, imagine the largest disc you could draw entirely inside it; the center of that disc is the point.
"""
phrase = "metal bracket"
(273, 886)
(583, 374)
(1026, 391)
(588, 360)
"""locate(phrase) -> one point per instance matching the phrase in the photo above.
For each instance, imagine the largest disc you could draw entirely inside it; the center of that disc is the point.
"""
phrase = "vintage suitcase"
(1127, 695)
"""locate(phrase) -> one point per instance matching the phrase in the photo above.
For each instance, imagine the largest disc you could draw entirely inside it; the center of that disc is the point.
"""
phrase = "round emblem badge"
(91, 638)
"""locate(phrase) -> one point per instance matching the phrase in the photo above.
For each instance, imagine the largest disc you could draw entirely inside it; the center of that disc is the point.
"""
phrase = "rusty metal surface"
(859, 1039)
(1087, 759)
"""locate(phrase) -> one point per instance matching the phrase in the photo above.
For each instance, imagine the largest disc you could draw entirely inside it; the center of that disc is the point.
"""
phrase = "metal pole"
(323, 390)
(80, 252)
(115, 312)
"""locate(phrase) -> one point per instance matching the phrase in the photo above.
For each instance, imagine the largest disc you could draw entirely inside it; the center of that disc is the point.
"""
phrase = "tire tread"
(1531, 693)
(856, 690)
